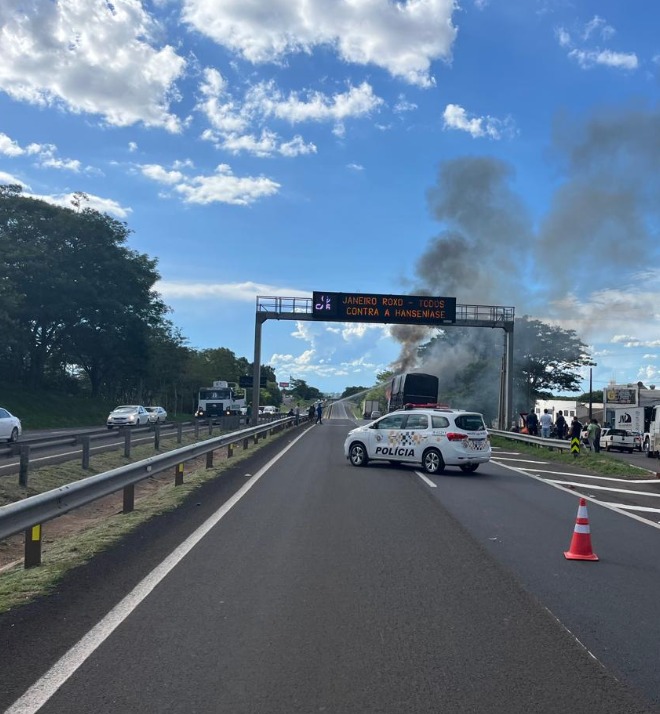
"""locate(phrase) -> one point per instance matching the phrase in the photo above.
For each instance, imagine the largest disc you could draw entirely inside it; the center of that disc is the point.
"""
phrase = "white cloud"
(402, 38)
(9, 147)
(598, 26)
(132, 146)
(232, 118)
(220, 187)
(6, 179)
(312, 106)
(606, 58)
(89, 56)
(241, 292)
(588, 57)
(403, 105)
(455, 117)
(103, 205)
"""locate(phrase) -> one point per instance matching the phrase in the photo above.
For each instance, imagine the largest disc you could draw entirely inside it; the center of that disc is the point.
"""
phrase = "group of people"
(562, 429)
(314, 412)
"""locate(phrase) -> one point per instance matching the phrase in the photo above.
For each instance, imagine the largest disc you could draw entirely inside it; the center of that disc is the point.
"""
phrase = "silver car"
(10, 426)
(157, 415)
(128, 415)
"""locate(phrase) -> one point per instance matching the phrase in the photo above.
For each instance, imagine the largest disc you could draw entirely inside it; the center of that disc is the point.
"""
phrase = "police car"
(431, 437)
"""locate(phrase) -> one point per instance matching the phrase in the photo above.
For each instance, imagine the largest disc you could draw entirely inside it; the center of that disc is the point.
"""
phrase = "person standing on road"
(574, 434)
(319, 413)
(532, 423)
(546, 424)
(310, 413)
(593, 432)
(561, 425)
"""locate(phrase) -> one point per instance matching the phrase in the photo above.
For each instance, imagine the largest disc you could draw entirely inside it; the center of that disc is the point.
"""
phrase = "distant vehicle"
(433, 438)
(619, 439)
(270, 409)
(128, 415)
(651, 443)
(412, 388)
(157, 415)
(368, 407)
(375, 414)
(10, 426)
(218, 400)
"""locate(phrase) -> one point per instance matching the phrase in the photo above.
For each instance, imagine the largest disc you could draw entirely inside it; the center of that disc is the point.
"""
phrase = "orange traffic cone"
(580, 548)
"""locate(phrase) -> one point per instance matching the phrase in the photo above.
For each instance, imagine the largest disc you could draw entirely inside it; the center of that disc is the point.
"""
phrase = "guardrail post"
(24, 465)
(32, 547)
(246, 441)
(127, 441)
(210, 426)
(209, 459)
(156, 436)
(129, 498)
(256, 438)
(196, 430)
(230, 450)
(178, 474)
(84, 440)
(179, 432)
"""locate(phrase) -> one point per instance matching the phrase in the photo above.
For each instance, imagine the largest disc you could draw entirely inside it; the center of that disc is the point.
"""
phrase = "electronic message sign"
(400, 309)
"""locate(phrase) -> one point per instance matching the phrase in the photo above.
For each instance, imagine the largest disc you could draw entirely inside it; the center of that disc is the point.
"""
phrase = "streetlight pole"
(591, 400)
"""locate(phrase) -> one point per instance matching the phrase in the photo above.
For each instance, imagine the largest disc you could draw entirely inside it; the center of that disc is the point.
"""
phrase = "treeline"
(79, 312)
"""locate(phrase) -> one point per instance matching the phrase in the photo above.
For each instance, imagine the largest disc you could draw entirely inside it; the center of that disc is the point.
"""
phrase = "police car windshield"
(470, 422)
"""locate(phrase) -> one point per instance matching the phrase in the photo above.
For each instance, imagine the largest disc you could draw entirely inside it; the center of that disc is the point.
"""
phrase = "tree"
(81, 296)
(301, 391)
(547, 358)
(350, 391)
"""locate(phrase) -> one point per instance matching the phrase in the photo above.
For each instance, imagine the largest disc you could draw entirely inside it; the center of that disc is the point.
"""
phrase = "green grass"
(601, 464)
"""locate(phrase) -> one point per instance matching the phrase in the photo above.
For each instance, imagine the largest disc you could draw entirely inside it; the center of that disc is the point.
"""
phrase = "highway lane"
(329, 588)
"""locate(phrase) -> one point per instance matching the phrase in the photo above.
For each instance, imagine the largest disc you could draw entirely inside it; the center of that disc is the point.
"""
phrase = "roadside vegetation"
(601, 464)
(94, 528)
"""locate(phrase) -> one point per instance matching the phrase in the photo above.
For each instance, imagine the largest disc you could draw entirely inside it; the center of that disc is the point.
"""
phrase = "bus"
(411, 388)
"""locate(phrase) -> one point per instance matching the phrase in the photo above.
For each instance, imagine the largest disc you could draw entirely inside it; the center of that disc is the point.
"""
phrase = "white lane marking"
(597, 478)
(426, 480)
(625, 506)
(593, 500)
(519, 461)
(594, 487)
(45, 687)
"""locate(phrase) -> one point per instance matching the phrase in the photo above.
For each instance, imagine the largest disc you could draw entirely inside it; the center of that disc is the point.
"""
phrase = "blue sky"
(498, 152)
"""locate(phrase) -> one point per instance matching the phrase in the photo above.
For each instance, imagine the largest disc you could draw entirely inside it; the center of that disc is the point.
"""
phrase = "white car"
(433, 438)
(10, 426)
(128, 415)
(157, 415)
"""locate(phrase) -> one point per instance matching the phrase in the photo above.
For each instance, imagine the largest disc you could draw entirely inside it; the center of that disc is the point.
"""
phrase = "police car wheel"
(469, 468)
(358, 455)
(432, 462)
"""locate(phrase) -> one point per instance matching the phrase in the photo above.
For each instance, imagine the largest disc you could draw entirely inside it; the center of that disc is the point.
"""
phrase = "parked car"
(433, 438)
(376, 414)
(10, 426)
(619, 439)
(128, 415)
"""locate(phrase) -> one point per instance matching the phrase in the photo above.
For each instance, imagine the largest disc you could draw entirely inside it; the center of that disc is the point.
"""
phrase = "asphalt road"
(327, 588)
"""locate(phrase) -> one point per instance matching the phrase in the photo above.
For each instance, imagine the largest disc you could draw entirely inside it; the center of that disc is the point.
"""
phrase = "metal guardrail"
(28, 514)
(560, 444)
